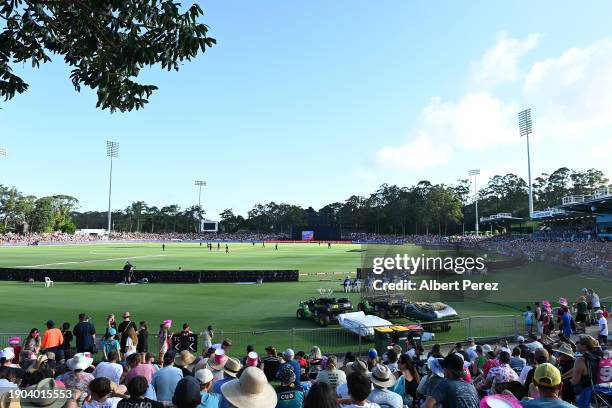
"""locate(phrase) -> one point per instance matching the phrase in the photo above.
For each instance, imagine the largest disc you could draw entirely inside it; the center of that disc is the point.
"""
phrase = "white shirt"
(108, 403)
(595, 301)
(471, 352)
(524, 373)
(366, 405)
(112, 371)
(603, 326)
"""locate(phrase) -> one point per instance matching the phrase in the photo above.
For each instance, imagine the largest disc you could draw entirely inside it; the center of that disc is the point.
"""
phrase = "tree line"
(417, 209)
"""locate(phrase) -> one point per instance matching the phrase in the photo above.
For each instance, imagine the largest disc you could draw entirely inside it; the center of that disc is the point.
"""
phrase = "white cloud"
(571, 99)
(572, 94)
(476, 121)
(414, 155)
(499, 63)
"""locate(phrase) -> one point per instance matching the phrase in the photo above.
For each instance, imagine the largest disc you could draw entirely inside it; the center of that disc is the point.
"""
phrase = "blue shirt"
(217, 390)
(567, 324)
(210, 400)
(164, 381)
(546, 403)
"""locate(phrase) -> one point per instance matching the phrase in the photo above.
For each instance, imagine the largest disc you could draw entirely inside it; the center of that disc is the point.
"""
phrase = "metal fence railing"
(340, 340)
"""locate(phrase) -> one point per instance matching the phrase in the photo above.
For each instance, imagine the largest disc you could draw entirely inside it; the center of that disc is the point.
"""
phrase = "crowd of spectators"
(555, 367)
(588, 256)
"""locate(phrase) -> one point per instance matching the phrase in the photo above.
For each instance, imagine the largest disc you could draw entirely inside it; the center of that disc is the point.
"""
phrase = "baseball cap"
(547, 375)
(372, 353)
(599, 311)
(289, 352)
(520, 338)
(204, 376)
(50, 323)
(112, 331)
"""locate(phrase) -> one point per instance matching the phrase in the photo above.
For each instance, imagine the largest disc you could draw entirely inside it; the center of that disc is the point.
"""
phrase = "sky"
(310, 102)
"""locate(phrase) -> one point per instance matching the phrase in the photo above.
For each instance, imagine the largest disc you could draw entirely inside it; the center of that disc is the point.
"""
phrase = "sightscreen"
(307, 235)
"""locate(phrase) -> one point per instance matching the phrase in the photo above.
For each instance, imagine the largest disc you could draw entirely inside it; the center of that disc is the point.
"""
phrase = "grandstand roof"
(599, 202)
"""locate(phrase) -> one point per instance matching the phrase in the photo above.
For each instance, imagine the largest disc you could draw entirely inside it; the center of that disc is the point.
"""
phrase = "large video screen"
(307, 235)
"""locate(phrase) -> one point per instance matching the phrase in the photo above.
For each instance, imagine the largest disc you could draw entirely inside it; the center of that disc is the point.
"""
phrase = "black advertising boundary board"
(116, 276)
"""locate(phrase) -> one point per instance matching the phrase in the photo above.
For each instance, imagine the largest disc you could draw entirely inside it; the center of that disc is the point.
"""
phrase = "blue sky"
(310, 102)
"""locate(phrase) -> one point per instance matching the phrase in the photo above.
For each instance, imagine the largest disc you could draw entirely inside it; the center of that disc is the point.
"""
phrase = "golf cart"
(434, 316)
(384, 306)
(324, 309)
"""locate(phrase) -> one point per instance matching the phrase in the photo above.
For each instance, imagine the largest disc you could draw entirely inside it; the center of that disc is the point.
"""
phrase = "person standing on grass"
(528, 317)
(85, 334)
(164, 339)
(123, 330)
(110, 324)
(110, 344)
(32, 341)
(53, 340)
(208, 337)
(143, 338)
(67, 336)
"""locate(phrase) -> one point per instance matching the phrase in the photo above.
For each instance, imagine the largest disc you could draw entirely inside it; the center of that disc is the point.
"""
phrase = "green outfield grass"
(235, 307)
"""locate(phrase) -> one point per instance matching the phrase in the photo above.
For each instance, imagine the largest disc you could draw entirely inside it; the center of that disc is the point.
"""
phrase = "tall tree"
(106, 42)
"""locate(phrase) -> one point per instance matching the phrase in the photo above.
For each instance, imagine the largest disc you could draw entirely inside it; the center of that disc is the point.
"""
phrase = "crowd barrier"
(75, 275)
(338, 340)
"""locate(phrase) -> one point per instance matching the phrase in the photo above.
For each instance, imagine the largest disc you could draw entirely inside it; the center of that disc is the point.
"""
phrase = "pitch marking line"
(89, 261)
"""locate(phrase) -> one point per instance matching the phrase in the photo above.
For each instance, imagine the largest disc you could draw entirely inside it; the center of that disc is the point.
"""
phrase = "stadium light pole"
(475, 173)
(525, 128)
(200, 184)
(112, 151)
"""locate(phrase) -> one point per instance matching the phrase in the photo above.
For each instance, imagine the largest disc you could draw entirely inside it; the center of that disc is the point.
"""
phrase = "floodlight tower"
(475, 173)
(525, 128)
(112, 151)
(200, 184)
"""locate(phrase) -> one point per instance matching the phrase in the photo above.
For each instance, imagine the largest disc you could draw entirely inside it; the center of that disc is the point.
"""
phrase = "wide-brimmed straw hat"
(45, 394)
(80, 361)
(382, 376)
(250, 390)
(232, 367)
(184, 359)
(565, 349)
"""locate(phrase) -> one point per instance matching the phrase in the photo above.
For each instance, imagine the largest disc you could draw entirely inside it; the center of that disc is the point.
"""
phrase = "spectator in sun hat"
(288, 357)
(166, 378)
(187, 394)
(435, 374)
(250, 391)
(230, 371)
(547, 379)
(183, 361)
(226, 345)
(45, 394)
(382, 381)
(164, 338)
(209, 399)
(453, 391)
(289, 395)
(122, 330)
(216, 363)
(77, 378)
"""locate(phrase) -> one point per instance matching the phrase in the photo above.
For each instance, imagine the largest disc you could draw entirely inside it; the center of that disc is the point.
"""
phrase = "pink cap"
(167, 322)
(14, 340)
(252, 359)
